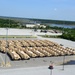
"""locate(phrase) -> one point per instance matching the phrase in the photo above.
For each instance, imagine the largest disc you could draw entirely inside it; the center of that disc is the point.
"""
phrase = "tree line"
(43, 21)
(8, 23)
(69, 34)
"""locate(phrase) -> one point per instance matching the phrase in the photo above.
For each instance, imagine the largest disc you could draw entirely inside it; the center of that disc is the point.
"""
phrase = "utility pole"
(63, 62)
(6, 46)
(63, 58)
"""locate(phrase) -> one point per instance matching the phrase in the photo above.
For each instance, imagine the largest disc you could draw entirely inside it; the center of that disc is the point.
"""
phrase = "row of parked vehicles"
(26, 49)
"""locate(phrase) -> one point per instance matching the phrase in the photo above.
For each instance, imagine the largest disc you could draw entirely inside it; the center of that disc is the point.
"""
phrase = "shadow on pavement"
(72, 62)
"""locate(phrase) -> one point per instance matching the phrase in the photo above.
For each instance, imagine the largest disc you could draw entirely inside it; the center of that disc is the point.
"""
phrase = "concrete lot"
(68, 70)
(12, 31)
(45, 61)
(39, 66)
(34, 62)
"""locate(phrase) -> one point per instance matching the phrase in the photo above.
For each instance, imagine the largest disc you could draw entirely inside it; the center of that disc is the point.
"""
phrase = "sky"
(41, 9)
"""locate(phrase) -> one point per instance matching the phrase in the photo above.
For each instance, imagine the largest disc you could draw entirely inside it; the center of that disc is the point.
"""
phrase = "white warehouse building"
(30, 25)
(33, 25)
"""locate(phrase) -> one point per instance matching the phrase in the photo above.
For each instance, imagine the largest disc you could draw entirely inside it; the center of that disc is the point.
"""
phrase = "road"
(69, 70)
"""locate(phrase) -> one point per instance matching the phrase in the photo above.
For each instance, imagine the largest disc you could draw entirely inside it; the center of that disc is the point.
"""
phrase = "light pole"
(63, 62)
(6, 46)
(51, 67)
(63, 58)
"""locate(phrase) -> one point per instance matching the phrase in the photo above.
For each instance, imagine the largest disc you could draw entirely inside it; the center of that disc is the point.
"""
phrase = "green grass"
(16, 36)
(50, 36)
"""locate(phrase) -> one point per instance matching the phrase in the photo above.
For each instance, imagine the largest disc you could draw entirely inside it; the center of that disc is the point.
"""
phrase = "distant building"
(30, 25)
(35, 25)
(43, 26)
